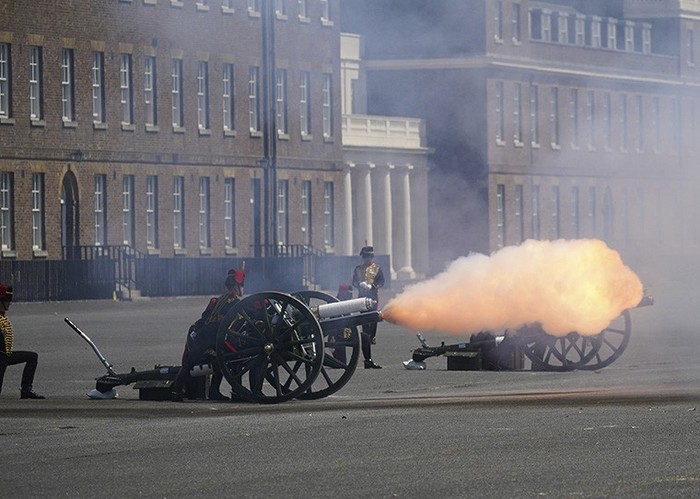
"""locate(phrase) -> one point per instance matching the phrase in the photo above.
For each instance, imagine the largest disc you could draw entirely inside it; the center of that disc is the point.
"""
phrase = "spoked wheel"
(342, 351)
(575, 351)
(610, 343)
(270, 348)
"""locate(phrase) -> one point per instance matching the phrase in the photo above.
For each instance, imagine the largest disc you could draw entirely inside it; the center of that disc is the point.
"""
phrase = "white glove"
(364, 285)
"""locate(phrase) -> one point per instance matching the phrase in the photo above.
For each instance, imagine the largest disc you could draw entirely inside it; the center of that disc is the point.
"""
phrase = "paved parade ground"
(629, 430)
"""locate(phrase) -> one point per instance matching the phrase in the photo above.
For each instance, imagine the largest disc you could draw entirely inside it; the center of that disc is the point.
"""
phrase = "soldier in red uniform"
(8, 356)
(200, 346)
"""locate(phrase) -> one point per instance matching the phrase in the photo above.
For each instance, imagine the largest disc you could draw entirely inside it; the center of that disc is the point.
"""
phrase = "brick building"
(549, 119)
(177, 128)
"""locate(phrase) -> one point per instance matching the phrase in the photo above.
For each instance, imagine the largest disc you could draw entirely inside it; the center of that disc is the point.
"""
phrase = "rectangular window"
(563, 33)
(655, 123)
(554, 117)
(98, 87)
(675, 124)
(67, 86)
(203, 95)
(178, 112)
(281, 8)
(126, 96)
(592, 219)
(590, 118)
(254, 6)
(228, 98)
(328, 215)
(629, 36)
(38, 242)
(204, 217)
(690, 47)
(534, 116)
(556, 226)
(546, 25)
(281, 101)
(500, 125)
(327, 92)
(596, 40)
(517, 115)
(580, 29)
(498, 20)
(516, 23)
(179, 212)
(306, 212)
(607, 120)
(282, 212)
(303, 10)
(128, 215)
(100, 210)
(253, 101)
(500, 215)
(623, 122)
(7, 210)
(573, 116)
(5, 81)
(35, 83)
(152, 211)
(518, 215)
(575, 225)
(305, 104)
(639, 104)
(536, 227)
(325, 11)
(230, 212)
(150, 91)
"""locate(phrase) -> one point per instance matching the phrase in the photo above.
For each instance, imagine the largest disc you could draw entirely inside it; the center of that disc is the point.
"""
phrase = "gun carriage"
(490, 351)
(271, 347)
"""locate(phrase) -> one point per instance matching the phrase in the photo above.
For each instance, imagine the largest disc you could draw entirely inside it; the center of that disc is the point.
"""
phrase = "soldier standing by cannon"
(368, 278)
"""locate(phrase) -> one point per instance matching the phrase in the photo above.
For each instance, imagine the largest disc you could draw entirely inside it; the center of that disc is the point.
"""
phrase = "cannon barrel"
(346, 307)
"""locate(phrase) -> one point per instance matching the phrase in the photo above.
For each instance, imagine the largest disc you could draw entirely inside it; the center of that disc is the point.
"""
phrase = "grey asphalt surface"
(629, 430)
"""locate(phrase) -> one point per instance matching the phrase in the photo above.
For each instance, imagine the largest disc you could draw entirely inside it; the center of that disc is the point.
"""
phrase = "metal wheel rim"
(270, 347)
(335, 372)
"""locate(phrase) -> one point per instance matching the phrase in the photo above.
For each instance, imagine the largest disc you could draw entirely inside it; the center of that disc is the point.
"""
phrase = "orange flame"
(565, 285)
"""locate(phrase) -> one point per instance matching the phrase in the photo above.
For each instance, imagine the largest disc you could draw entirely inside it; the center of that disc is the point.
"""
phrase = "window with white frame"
(563, 27)
(281, 8)
(150, 91)
(230, 212)
(573, 117)
(555, 229)
(228, 97)
(516, 23)
(306, 212)
(303, 9)
(534, 116)
(519, 222)
(498, 20)
(305, 104)
(67, 86)
(327, 92)
(328, 215)
(7, 210)
(326, 11)
(639, 104)
(98, 87)
(690, 46)
(535, 213)
(596, 40)
(592, 218)
(624, 137)
(575, 223)
(281, 101)
(35, 83)
(253, 101)
(580, 29)
(128, 215)
(282, 212)
(629, 36)
(100, 210)
(612, 33)
(178, 212)
(38, 238)
(203, 95)
(126, 95)
(590, 118)
(554, 117)
(646, 38)
(177, 98)
(500, 215)
(517, 114)
(204, 213)
(607, 119)
(254, 6)
(152, 211)
(5, 79)
(499, 111)
(546, 20)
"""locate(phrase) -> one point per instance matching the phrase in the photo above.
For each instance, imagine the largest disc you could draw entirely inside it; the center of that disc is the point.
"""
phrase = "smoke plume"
(565, 285)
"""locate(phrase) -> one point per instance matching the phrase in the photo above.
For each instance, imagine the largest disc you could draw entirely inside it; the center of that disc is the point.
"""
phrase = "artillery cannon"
(489, 351)
(271, 347)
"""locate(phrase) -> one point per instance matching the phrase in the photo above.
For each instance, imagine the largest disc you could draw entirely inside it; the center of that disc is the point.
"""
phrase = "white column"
(407, 271)
(368, 229)
(347, 188)
(388, 215)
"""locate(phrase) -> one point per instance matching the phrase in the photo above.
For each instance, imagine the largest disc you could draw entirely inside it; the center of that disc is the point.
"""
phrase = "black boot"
(370, 364)
(28, 393)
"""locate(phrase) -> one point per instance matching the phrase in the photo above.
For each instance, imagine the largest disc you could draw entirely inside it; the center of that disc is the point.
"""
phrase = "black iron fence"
(90, 272)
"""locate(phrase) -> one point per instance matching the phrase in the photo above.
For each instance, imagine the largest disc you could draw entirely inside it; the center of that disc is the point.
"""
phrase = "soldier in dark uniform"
(368, 278)
(200, 346)
(8, 356)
